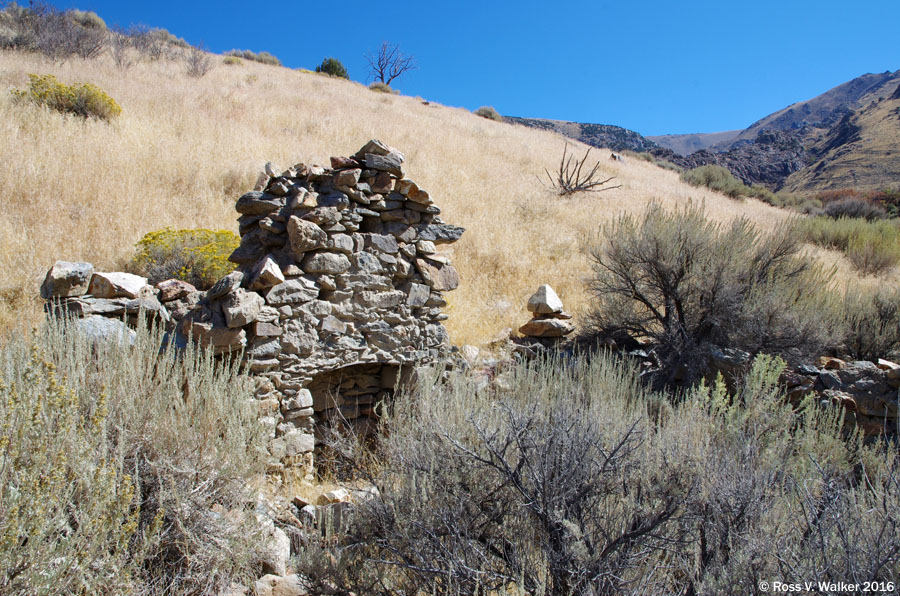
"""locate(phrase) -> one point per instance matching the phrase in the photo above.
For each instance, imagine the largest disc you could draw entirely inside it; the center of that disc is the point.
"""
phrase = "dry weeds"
(184, 149)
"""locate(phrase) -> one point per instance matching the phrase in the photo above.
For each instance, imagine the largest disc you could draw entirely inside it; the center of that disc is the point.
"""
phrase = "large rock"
(375, 147)
(292, 291)
(390, 163)
(266, 274)
(545, 301)
(174, 289)
(441, 277)
(258, 203)
(66, 279)
(117, 285)
(305, 235)
(225, 285)
(101, 329)
(546, 328)
(326, 262)
(440, 233)
(241, 307)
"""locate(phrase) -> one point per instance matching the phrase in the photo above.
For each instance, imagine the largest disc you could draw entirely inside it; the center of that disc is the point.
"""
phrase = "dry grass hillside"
(861, 152)
(184, 149)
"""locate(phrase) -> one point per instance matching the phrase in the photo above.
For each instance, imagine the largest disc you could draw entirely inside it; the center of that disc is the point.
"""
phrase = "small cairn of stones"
(548, 319)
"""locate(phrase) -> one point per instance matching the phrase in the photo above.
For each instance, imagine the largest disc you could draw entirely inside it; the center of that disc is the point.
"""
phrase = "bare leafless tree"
(571, 178)
(388, 63)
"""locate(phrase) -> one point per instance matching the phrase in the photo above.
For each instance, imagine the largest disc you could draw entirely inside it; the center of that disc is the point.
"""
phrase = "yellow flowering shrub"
(197, 256)
(81, 99)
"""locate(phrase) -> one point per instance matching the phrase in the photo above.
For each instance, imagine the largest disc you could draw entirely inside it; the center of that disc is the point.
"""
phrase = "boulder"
(292, 291)
(66, 279)
(545, 301)
(390, 163)
(546, 328)
(174, 289)
(241, 307)
(325, 262)
(258, 203)
(440, 233)
(305, 235)
(440, 277)
(118, 285)
(102, 329)
(225, 285)
(375, 147)
(266, 274)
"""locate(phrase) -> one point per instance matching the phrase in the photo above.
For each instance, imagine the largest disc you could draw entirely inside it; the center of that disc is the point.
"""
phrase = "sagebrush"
(571, 478)
(124, 467)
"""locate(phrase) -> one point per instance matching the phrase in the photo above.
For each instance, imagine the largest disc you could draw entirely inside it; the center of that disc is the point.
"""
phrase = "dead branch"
(570, 179)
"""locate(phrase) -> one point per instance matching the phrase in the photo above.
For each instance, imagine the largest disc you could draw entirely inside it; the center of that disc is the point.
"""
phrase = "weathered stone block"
(66, 279)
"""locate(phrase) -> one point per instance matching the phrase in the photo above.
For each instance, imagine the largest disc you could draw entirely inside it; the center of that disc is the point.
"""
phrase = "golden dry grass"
(185, 149)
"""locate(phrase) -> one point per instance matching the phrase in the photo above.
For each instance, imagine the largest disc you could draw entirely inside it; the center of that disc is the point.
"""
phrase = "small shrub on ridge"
(196, 256)
(232, 61)
(81, 99)
(261, 57)
(332, 67)
(489, 112)
(381, 87)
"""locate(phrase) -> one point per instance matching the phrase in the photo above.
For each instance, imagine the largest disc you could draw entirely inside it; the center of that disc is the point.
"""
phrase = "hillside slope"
(824, 110)
(862, 151)
(184, 149)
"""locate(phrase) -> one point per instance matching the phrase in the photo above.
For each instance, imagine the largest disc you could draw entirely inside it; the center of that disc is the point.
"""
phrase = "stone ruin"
(337, 295)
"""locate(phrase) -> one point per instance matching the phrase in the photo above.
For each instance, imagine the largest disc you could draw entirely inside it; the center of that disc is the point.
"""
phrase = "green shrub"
(81, 99)
(716, 178)
(232, 61)
(489, 112)
(196, 256)
(869, 322)
(115, 460)
(332, 67)
(872, 247)
(693, 286)
(381, 87)
(854, 207)
(569, 477)
(261, 57)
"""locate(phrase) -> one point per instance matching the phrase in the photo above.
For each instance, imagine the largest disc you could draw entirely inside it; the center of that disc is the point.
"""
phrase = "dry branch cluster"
(572, 177)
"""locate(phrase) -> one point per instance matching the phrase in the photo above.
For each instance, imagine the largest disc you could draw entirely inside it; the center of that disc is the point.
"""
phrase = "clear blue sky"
(656, 67)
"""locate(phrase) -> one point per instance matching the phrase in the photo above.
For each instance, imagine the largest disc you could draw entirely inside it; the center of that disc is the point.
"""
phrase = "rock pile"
(866, 390)
(548, 317)
(337, 294)
(107, 304)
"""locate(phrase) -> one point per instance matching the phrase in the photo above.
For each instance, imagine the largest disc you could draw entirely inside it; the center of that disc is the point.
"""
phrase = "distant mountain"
(848, 136)
(596, 135)
(822, 111)
(861, 151)
(689, 143)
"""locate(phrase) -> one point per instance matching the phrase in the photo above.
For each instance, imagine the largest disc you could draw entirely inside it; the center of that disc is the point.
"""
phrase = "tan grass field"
(184, 150)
